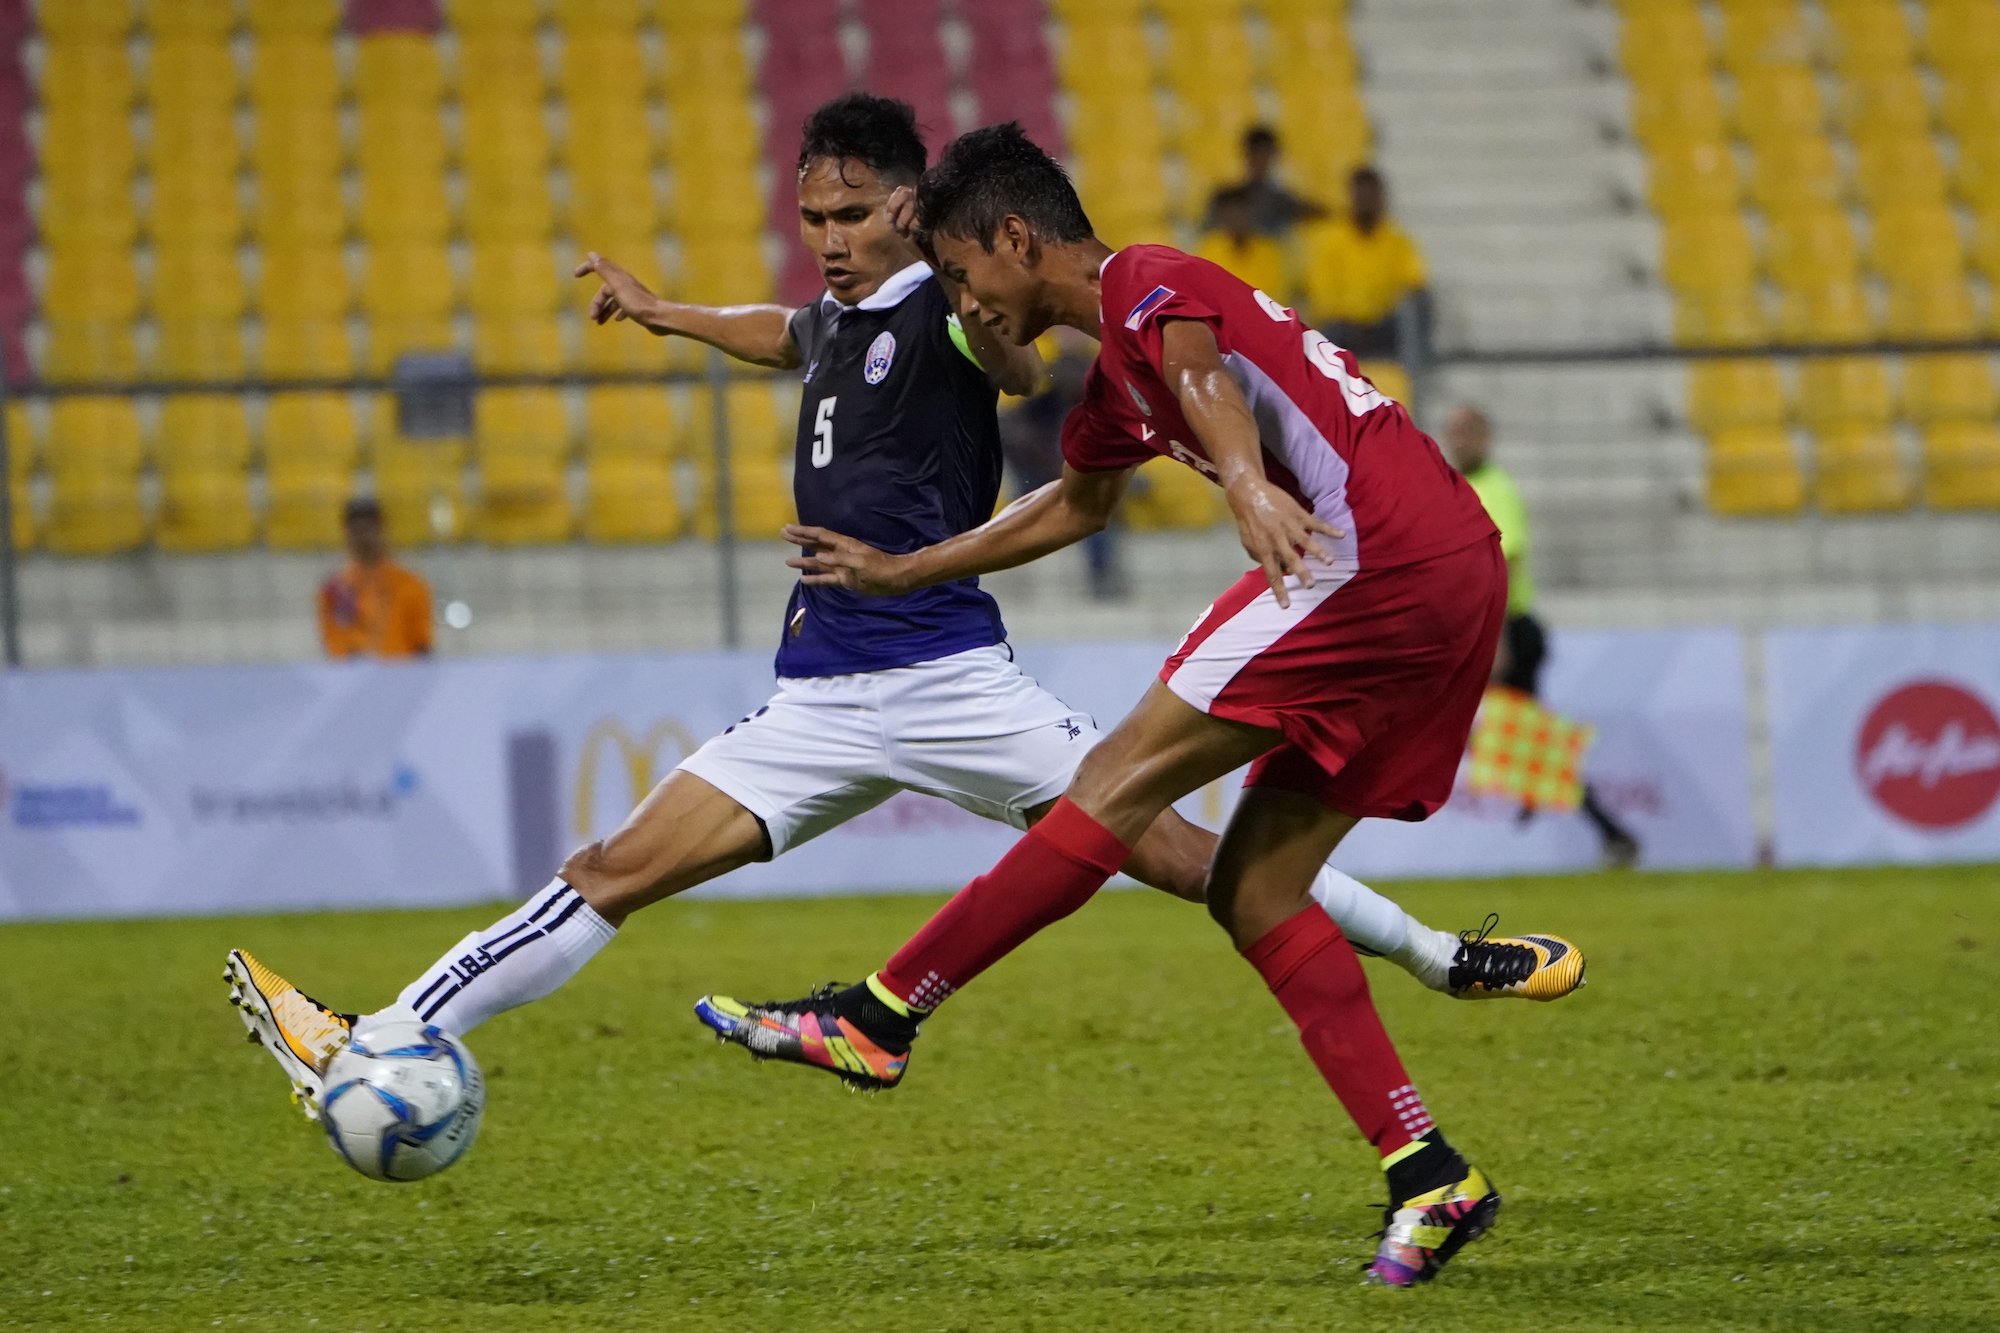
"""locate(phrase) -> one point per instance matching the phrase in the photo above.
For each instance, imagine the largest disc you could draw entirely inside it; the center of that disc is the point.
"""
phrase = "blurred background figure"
(373, 607)
(1362, 269)
(1273, 210)
(1233, 241)
(1031, 440)
(1468, 443)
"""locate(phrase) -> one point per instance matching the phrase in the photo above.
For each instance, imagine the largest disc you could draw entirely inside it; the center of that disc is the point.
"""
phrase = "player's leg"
(1164, 749)
(1260, 892)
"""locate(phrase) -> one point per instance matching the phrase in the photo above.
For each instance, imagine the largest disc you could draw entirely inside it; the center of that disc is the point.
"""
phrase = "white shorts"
(970, 728)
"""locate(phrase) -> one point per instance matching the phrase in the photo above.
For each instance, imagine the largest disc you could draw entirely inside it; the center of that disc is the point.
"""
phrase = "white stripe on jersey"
(1290, 435)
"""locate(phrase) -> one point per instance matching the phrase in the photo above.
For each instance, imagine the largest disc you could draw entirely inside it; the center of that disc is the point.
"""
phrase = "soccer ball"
(402, 1100)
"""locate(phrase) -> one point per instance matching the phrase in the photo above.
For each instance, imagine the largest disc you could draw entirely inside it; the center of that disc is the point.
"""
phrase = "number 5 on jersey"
(823, 432)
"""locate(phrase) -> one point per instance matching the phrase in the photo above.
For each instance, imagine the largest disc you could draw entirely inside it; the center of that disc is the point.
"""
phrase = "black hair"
(879, 132)
(1260, 136)
(987, 174)
(1367, 174)
(360, 507)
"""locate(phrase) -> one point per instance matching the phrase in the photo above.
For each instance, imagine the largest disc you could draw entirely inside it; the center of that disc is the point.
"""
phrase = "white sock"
(1378, 925)
(519, 958)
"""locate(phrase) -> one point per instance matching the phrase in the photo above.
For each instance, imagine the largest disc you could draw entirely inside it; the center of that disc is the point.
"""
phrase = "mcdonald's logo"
(642, 762)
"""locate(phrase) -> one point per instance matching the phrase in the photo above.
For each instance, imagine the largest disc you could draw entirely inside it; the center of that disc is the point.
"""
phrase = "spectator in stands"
(1361, 269)
(1274, 210)
(373, 607)
(1031, 439)
(1234, 242)
(1468, 443)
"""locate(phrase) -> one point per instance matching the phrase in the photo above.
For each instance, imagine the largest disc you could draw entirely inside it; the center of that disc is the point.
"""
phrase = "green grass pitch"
(1777, 1105)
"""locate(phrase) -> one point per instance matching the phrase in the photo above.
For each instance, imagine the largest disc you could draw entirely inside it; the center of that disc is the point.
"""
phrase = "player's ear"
(1019, 239)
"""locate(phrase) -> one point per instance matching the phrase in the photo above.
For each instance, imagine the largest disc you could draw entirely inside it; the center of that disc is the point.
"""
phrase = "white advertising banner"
(1885, 743)
(289, 788)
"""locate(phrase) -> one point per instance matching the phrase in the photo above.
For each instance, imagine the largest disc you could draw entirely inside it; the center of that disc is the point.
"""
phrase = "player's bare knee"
(592, 871)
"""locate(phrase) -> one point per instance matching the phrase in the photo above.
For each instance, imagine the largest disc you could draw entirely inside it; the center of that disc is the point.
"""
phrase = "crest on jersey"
(880, 353)
(1138, 400)
(1148, 303)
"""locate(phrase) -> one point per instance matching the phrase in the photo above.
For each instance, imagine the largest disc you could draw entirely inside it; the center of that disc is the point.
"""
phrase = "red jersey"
(1341, 449)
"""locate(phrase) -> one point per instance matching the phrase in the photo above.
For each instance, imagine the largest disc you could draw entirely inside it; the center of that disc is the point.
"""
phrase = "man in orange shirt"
(374, 607)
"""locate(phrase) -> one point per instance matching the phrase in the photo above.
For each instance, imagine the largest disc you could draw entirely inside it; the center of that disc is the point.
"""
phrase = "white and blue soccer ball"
(402, 1100)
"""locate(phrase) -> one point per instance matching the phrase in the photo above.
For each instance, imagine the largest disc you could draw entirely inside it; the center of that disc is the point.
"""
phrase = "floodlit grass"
(1774, 1107)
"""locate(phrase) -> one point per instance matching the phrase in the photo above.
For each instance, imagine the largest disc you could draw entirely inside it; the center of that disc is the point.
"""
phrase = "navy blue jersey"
(898, 447)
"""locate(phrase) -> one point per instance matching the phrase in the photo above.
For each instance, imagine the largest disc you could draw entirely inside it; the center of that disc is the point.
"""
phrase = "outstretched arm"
(754, 333)
(1060, 514)
(1276, 531)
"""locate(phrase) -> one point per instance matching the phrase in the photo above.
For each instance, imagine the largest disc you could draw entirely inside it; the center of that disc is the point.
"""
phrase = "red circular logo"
(1930, 753)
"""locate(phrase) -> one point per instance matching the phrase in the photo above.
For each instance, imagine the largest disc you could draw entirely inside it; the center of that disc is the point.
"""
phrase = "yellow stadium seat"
(1882, 104)
(515, 281)
(90, 350)
(1113, 51)
(1664, 40)
(94, 513)
(311, 429)
(1934, 310)
(1899, 172)
(83, 222)
(304, 281)
(303, 209)
(398, 67)
(695, 127)
(1985, 249)
(1167, 495)
(198, 431)
(517, 345)
(690, 15)
(1725, 394)
(1858, 469)
(86, 143)
(760, 499)
(298, 18)
(1868, 37)
(302, 505)
(293, 71)
(85, 20)
(1962, 36)
(305, 346)
(619, 16)
(1207, 54)
(508, 421)
(496, 17)
(194, 211)
(630, 498)
(725, 270)
(1778, 103)
(1311, 45)
(1690, 107)
(1844, 390)
(392, 336)
(1919, 244)
(404, 208)
(190, 72)
(607, 67)
(1727, 317)
(205, 509)
(523, 499)
(503, 137)
(1961, 463)
(609, 207)
(620, 347)
(95, 73)
(1977, 177)
(1809, 249)
(1954, 387)
(1753, 471)
(198, 348)
(1762, 34)
(1391, 379)
(1788, 176)
(27, 524)
(398, 138)
(508, 209)
(421, 506)
(757, 427)
(94, 434)
(506, 65)
(178, 19)
(1691, 177)
(1836, 312)
(199, 282)
(407, 280)
(91, 284)
(632, 421)
(1707, 253)
(1970, 105)
(23, 441)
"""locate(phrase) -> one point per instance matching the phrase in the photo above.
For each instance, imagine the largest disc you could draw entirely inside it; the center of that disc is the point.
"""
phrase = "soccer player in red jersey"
(1345, 669)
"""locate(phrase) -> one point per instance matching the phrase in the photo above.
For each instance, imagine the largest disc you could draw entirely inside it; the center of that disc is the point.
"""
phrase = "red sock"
(1050, 873)
(1312, 970)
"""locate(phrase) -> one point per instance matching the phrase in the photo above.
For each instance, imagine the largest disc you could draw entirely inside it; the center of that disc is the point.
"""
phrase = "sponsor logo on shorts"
(880, 353)
(1929, 754)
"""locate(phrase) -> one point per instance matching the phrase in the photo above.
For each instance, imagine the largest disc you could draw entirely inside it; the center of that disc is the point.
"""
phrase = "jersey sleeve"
(1091, 438)
(805, 326)
(1149, 289)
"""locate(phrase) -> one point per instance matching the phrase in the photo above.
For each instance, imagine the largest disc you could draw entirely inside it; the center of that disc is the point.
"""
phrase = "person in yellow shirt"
(1468, 444)
(1361, 268)
(1234, 242)
(373, 607)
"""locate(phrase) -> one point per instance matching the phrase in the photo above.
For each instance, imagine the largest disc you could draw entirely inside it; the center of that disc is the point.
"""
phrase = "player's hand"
(902, 210)
(834, 561)
(1278, 533)
(621, 296)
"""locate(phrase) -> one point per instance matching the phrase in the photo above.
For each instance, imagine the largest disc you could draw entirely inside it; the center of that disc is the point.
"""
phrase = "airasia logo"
(1930, 753)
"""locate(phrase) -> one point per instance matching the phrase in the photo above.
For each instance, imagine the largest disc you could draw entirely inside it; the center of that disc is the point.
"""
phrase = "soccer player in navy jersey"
(898, 443)
(1345, 669)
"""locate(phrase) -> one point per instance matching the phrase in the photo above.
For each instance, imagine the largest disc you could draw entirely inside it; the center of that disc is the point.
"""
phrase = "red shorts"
(1373, 678)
